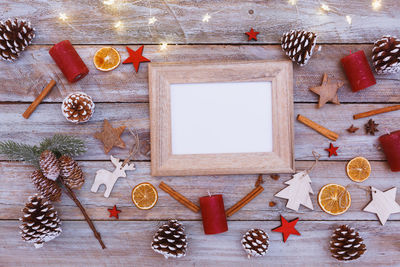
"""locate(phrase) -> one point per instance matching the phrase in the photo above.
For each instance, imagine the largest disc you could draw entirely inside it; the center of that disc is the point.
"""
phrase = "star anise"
(371, 127)
(352, 129)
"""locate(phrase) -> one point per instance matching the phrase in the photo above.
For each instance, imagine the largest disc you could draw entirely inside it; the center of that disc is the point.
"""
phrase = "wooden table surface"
(121, 96)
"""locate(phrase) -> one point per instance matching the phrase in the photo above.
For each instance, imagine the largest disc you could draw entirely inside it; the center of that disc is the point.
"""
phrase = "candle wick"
(209, 194)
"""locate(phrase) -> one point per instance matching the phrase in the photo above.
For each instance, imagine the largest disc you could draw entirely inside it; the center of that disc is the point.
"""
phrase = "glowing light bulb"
(152, 20)
(325, 7)
(206, 17)
(118, 24)
(292, 2)
(348, 19)
(63, 17)
(108, 2)
(163, 46)
(376, 4)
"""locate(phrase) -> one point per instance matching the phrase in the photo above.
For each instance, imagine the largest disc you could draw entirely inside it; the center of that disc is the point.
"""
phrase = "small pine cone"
(386, 55)
(49, 165)
(71, 172)
(78, 107)
(346, 244)
(15, 36)
(40, 222)
(299, 45)
(255, 242)
(170, 240)
(48, 188)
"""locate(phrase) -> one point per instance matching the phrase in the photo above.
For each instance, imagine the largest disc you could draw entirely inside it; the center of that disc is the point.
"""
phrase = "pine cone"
(49, 165)
(71, 172)
(15, 36)
(346, 244)
(299, 45)
(170, 240)
(40, 222)
(48, 188)
(255, 243)
(77, 107)
(386, 55)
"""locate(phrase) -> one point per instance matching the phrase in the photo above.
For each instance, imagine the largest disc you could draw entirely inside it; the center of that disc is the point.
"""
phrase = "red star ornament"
(252, 34)
(136, 57)
(287, 228)
(114, 212)
(332, 150)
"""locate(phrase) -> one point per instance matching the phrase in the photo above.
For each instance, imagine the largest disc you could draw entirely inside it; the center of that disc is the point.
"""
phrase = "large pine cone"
(255, 242)
(40, 222)
(170, 240)
(48, 188)
(299, 45)
(78, 107)
(49, 165)
(346, 244)
(15, 36)
(386, 55)
(71, 172)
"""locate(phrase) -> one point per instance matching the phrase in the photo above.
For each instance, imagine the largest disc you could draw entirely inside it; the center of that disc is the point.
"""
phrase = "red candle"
(68, 60)
(358, 71)
(391, 146)
(213, 213)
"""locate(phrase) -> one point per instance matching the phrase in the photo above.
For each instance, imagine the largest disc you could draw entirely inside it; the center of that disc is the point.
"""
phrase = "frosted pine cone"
(78, 107)
(346, 244)
(299, 45)
(386, 55)
(48, 188)
(255, 243)
(40, 222)
(170, 240)
(15, 36)
(71, 172)
(49, 165)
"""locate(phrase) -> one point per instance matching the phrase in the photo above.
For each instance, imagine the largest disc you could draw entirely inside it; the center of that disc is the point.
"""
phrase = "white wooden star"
(383, 203)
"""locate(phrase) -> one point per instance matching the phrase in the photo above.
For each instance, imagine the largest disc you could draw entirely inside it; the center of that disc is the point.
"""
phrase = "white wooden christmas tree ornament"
(383, 203)
(298, 192)
(110, 178)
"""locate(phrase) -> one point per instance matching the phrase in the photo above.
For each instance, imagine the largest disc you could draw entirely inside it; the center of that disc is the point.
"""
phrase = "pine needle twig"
(20, 152)
(63, 145)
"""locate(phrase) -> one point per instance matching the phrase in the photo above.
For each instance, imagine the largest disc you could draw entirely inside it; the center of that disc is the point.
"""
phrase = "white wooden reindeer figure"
(110, 178)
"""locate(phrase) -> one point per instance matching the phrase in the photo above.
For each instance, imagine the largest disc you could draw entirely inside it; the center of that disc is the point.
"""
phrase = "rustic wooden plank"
(48, 120)
(128, 243)
(233, 187)
(24, 79)
(91, 22)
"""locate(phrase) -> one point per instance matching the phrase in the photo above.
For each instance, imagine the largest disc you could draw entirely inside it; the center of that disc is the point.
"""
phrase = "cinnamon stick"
(244, 201)
(38, 99)
(72, 195)
(178, 197)
(375, 112)
(320, 129)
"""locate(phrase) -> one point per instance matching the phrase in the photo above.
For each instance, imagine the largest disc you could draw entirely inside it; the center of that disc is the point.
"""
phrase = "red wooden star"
(332, 150)
(287, 228)
(252, 34)
(136, 57)
(114, 212)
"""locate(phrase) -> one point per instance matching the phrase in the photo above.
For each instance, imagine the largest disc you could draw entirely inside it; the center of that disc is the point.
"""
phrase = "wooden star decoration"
(352, 129)
(327, 91)
(332, 150)
(371, 127)
(110, 136)
(287, 228)
(383, 203)
(136, 57)
(114, 212)
(252, 34)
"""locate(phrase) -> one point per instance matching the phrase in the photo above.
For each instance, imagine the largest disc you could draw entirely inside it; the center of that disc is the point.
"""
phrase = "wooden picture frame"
(164, 76)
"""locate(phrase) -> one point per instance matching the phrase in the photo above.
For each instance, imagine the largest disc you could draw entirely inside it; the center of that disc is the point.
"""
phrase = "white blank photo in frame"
(208, 118)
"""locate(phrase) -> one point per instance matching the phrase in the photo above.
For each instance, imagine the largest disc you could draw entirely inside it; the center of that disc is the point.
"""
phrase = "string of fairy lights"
(118, 25)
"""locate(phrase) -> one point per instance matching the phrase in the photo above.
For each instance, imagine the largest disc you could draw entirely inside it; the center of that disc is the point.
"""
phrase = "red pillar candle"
(391, 146)
(358, 71)
(213, 213)
(68, 60)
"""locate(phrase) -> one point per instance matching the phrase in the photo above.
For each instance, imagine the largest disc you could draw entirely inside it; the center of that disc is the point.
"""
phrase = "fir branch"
(63, 145)
(20, 152)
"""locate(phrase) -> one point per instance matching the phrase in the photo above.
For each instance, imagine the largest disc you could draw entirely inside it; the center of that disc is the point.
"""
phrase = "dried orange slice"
(106, 59)
(358, 169)
(334, 199)
(144, 196)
